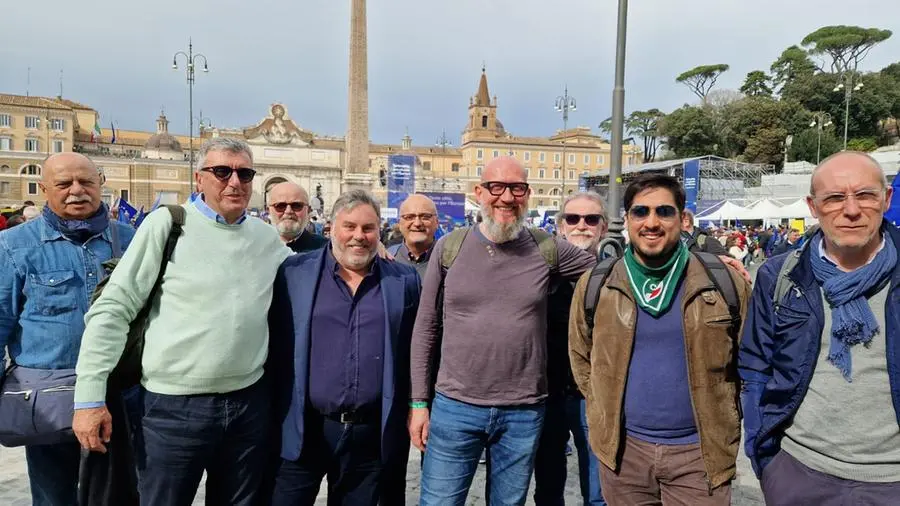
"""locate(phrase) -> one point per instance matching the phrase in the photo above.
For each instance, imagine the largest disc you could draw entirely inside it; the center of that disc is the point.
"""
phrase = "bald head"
(418, 222)
(846, 161)
(288, 209)
(71, 183)
(417, 203)
(284, 192)
(503, 168)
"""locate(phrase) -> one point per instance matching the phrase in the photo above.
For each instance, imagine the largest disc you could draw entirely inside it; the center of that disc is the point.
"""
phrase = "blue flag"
(140, 217)
(126, 212)
(113, 128)
(893, 213)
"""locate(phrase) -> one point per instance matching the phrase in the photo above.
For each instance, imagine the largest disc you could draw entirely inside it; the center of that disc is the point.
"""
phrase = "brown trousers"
(660, 475)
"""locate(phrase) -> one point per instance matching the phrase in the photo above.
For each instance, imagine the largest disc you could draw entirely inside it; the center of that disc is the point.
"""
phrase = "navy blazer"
(289, 338)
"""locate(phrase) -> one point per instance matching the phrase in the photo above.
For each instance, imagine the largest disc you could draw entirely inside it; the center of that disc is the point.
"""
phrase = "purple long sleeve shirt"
(493, 347)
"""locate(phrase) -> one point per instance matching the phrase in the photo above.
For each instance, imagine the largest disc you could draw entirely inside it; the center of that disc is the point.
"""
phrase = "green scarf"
(654, 288)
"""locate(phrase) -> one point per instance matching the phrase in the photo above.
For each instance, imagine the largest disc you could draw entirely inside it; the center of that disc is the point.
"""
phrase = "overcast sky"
(425, 56)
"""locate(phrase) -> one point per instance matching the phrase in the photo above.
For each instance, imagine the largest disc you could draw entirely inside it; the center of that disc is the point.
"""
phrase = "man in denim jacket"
(48, 269)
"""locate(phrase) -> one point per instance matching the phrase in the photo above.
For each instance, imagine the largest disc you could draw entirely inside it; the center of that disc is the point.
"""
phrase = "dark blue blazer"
(289, 339)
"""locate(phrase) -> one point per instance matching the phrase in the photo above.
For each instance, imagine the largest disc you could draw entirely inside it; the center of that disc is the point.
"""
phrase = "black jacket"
(307, 242)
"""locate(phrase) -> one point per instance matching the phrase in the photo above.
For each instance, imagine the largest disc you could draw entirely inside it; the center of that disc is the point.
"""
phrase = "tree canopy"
(756, 84)
(702, 79)
(845, 45)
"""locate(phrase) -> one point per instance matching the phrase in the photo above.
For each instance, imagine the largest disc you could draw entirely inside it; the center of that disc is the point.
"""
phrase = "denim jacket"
(46, 282)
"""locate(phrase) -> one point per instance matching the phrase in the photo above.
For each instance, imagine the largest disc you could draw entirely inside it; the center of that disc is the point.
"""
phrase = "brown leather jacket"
(600, 361)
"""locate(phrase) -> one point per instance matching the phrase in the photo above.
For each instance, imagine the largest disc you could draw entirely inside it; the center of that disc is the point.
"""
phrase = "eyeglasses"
(224, 172)
(282, 206)
(866, 199)
(664, 212)
(591, 220)
(421, 216)
(497, 188)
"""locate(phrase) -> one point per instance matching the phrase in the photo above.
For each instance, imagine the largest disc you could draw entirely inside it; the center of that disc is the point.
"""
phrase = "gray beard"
(502, 232)
(290, 228)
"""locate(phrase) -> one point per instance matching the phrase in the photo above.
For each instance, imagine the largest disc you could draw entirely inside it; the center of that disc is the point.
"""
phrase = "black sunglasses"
(224, 172)
(664, 212)
(496, 188)
(282, 206)
(591, 220)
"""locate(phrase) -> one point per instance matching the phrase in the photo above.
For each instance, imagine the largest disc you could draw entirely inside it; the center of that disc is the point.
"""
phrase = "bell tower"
(483, 121)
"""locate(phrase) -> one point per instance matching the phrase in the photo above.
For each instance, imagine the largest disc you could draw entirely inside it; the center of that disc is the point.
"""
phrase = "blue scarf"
(79, 230)
(852, 321)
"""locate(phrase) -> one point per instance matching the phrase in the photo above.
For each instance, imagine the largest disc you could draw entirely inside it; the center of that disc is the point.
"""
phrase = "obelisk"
(356, 170)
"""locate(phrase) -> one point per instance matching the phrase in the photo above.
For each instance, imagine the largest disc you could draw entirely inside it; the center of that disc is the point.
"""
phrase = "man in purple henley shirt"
(490, 385)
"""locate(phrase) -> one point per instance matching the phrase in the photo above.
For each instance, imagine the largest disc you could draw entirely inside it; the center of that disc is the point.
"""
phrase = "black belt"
(354, 417)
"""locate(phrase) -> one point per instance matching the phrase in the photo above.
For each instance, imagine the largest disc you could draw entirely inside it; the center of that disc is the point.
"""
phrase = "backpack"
(128, 370)
(454, 241)
(715, 269)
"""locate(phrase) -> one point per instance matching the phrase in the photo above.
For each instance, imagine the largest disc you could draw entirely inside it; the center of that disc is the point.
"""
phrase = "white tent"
(797, 210)
(766, 209)
(728, 211)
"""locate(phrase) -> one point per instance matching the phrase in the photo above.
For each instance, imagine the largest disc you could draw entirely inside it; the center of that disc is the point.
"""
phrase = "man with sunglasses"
(418, 224)
(205, 402)
(289, 213)
(582, 222)
(657, 363)
(486, 317)
(820, 354)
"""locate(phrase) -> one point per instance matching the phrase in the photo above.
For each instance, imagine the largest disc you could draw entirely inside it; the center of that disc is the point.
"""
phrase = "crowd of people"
(273, 356)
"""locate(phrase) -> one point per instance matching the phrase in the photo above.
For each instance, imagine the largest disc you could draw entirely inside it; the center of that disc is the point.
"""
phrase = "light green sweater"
(208, 329)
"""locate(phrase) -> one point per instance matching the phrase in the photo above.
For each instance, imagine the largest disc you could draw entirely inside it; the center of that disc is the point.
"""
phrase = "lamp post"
(190, 64)
(822, 120)
(846, 84)
(443, 142)
(564, 104)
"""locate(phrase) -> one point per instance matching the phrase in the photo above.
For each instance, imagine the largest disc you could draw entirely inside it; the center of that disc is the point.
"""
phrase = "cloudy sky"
(425, 56)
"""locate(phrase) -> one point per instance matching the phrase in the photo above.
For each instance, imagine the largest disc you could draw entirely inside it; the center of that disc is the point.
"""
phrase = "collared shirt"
(199, 201)
(404, 256)
(46, 282)
(347, 333)
(825, 256)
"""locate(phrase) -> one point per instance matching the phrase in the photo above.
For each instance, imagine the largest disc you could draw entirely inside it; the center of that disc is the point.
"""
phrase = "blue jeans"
(184, 435)
(53, 474)
(565, 414)
(457, 435)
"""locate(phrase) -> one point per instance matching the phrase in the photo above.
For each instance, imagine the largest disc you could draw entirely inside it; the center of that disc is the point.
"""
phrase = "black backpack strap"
(719, 275)
(592, 294)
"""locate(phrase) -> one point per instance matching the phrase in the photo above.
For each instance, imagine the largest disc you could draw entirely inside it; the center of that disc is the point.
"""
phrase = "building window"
(540, 202)
(555, 203)
(587, 159)
(554, 191)
(484, 122)
(5, 144)
(570, 192)
(5, 120)
(454, 167)
(32, 145)
(479, 154)
(32, 122)
(31, 170)
(541, 174)
(4, 169)
(600, 159)
(57, 146)
(540, 191)
(32, 188)
(527, 172)
(58, 124)
(123, 194)
(571, 174)
(426, 165)
(478, 171)
(542, 157)
(527, 156)
(555, 173)
(556, 157)
(571, 159)
(495, 153)
(4, 188)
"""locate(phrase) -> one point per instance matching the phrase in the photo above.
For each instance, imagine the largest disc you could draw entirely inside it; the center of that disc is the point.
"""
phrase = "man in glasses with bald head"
(289, 212)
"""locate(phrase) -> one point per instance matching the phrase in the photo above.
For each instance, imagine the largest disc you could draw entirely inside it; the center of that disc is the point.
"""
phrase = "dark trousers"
(348, 454)
(565, 414)
(53, 474)
(786, 481)
(183, 435)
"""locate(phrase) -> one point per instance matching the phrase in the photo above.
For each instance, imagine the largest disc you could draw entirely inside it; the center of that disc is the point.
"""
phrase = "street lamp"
(564, 104)
(443, 142)
(190, 61)
(615, 239)
(820, 120)
(846, 84)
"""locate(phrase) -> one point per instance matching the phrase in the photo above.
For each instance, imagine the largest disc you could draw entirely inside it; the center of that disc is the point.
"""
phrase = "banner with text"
(401, 178)
(691, 183)
(451, 207)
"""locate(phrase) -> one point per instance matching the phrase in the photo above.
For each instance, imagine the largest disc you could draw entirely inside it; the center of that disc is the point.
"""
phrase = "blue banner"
(451, 207)
(401, 179)
(893, 213)
(691, 183)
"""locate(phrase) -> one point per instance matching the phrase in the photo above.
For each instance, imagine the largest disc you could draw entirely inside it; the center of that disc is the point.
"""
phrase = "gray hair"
(235, 146)
(868, 157)
(589, 195)
(349, 200)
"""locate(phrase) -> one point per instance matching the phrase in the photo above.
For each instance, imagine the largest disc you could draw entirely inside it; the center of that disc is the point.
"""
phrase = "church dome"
(162, 140)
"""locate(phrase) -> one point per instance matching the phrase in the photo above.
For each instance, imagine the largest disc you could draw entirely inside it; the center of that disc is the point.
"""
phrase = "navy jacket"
(778, 351)
(289, 328)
